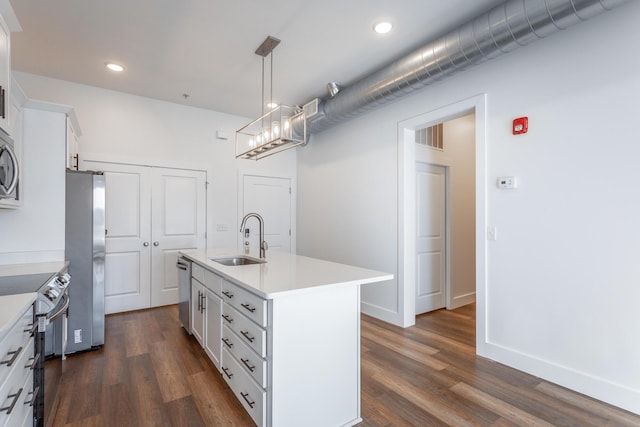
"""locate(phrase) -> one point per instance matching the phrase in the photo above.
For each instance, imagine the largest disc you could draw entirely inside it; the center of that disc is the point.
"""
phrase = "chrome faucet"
(263, 245)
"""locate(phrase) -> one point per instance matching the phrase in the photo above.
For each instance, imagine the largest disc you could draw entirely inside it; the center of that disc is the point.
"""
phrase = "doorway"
(408, 167)
(432, 218)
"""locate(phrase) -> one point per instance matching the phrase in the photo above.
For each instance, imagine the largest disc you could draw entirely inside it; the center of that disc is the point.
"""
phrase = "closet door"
(127, 283)
(151, 214)
(177, 223)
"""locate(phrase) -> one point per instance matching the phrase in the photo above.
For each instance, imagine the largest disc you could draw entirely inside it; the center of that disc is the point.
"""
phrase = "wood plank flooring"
(151, 373)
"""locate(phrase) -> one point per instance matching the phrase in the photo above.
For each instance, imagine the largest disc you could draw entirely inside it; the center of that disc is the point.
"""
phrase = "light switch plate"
(507, 182)
(492, 233)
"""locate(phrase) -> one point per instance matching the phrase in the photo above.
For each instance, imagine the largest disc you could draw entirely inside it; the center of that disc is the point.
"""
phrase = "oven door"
(52, 368)
(9, 171)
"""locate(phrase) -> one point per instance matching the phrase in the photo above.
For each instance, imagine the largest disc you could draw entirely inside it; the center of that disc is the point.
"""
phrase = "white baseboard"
(462, 300)
(615, 394)
(381, 313)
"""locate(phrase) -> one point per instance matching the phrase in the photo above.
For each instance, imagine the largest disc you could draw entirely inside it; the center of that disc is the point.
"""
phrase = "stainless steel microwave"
(9, 168)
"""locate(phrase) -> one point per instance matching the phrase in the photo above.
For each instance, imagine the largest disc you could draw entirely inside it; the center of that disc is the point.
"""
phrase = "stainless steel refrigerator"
(85, 251)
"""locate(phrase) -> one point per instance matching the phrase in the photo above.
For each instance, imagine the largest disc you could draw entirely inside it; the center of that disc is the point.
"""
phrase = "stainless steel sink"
(238, 260)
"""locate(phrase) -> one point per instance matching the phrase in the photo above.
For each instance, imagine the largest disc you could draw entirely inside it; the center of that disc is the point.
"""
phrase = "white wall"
(131, 129)
(35, 231)
(562, 278)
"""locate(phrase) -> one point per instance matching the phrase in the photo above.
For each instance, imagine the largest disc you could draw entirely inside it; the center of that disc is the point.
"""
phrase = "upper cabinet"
(5, 75)
(73, 133)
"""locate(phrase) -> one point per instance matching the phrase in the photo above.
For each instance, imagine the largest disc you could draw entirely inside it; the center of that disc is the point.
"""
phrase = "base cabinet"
(16, 372)
(206, 311)
(288, 360)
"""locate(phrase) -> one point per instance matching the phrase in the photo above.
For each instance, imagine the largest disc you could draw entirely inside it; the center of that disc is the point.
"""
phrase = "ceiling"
(205, 48)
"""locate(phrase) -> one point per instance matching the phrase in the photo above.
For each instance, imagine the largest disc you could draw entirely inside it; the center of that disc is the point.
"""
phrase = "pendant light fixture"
(281, 128)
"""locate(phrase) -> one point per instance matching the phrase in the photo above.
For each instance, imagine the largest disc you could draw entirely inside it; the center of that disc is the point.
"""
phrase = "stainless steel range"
(51, 282)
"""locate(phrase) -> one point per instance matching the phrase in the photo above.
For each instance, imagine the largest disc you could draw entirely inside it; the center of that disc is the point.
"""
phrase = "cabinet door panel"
(197, 316)
(213, 313)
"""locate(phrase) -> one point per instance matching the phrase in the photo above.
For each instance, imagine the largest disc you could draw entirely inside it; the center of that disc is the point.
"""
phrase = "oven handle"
(53, 316)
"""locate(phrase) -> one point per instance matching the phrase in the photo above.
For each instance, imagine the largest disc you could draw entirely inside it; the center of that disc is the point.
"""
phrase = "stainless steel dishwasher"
(184, 292)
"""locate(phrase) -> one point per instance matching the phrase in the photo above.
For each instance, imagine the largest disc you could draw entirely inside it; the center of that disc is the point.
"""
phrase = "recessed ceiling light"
(382, 27)
(114, 67)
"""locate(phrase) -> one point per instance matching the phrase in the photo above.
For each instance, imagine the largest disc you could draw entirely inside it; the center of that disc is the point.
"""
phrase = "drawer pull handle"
(32, 329)
(246, 363)
(227, 318)
(13, 358)
(247, 336)
(15, 399)
(227, 294)
(227, 343)
(248, 307)
(34, 398)
(199, 301)
(245, 397)
(33, 364)
(226, 372)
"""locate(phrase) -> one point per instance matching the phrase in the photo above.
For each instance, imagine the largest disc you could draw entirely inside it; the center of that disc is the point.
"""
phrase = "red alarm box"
(520, 125)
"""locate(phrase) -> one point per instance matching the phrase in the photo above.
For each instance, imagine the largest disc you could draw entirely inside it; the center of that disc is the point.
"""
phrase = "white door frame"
(294, 192)
(407, 206)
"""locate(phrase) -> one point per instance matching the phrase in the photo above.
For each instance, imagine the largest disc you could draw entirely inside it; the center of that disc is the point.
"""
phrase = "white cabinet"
(5, 75)
(73, 135)
(16, 371)
(213, 318)
(291, 356)
(206, 311)
(244, 358)
(197, 312)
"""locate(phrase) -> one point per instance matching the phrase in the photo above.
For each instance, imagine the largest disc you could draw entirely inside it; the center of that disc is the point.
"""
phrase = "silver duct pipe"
(504, 28)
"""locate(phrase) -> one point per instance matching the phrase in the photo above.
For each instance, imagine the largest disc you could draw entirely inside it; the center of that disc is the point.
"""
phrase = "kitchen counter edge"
(202, 258)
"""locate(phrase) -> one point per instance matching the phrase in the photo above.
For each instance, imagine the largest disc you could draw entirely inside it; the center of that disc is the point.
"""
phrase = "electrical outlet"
(77, 336)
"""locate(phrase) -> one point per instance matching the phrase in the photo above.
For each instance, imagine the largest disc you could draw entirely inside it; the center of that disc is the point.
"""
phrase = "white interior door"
(431, 251)
(128, 224)
(270, 197)
(178, 223)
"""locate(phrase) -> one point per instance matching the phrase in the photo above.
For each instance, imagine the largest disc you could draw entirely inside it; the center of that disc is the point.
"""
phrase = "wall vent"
(431, 137)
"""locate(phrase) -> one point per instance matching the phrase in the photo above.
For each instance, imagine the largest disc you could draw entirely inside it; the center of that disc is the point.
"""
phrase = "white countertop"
(285, 273)
(32, 268)
(12, 307)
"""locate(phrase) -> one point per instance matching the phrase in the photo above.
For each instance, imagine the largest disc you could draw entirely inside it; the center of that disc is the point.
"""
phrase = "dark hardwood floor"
(151, 373)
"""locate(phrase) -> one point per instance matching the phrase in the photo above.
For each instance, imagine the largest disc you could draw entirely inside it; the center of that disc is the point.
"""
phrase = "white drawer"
(197, 272)
(248, 332)
(213, 282)
(253, 364)
(251, 305)
(24, 406)
(18, 388)
(252, 397)
(14, 343)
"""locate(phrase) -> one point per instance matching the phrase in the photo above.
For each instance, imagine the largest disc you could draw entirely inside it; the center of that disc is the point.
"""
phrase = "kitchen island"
(285, 334)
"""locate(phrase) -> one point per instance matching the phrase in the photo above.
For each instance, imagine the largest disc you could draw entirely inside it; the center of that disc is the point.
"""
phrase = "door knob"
(156, 243)
(145, 244)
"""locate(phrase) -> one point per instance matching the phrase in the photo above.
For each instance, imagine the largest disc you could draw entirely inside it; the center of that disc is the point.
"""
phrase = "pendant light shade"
(281, 128)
